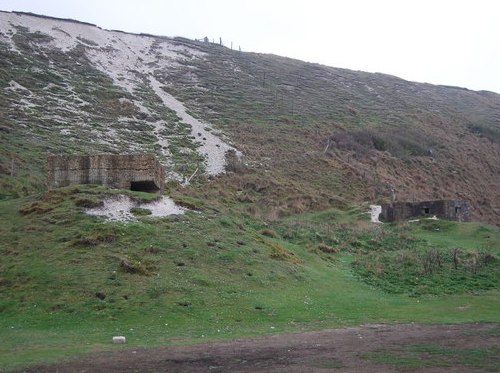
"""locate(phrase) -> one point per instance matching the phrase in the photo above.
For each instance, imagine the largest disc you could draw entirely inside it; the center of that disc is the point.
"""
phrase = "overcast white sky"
(436, 41)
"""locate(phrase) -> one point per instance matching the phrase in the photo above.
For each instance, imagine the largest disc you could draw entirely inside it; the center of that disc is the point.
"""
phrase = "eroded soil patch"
(356, 349)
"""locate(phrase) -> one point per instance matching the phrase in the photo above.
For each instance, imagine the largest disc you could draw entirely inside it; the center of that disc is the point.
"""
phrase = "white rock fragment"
(119, 339)
(375, 211)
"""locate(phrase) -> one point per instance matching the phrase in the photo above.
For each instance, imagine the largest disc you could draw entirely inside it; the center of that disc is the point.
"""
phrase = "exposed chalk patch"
(118, 208)
(375, 211)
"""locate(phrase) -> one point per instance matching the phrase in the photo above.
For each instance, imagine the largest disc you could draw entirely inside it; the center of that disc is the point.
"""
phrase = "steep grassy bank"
(215, 273)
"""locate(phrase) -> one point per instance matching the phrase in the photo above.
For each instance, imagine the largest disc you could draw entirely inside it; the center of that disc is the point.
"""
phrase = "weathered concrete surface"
(129, 171)
(445, 209)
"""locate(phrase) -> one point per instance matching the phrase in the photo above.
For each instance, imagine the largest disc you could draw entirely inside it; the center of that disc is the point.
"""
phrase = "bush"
(400, 142)
(138, 211)
(327, 249)
(430, 271)
(268, 233)
(234, 163)
(491, 133)
(89, 202)
(134, 267)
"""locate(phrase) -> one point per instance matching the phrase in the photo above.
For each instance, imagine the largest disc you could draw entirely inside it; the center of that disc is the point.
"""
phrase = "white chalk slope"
(127, 59)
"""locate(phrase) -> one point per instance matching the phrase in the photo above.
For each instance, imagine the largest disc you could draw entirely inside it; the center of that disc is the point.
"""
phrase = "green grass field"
(416, 356)
(215, 274)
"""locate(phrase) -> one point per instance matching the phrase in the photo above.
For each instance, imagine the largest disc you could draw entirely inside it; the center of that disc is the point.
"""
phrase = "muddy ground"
(333, 350)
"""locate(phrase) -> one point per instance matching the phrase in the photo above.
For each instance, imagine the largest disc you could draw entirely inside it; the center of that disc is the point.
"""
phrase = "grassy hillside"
(338, 133)
(70, 282)
(312, 136)
(282, 241)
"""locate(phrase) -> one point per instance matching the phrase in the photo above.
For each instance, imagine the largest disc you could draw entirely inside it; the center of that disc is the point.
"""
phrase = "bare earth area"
(334, 350)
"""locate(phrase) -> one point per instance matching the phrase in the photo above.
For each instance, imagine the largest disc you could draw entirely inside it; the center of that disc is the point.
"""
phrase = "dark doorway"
(426, 210)
(144, 186)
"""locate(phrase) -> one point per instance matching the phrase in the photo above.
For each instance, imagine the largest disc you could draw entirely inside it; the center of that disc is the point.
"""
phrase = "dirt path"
(335, 350)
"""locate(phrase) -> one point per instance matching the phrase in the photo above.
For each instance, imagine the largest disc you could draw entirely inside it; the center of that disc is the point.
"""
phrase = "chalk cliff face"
(312, 136)
(101, 89)
(131, 171)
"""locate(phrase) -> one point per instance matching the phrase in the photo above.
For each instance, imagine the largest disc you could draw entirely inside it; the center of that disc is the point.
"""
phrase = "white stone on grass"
(119, 339)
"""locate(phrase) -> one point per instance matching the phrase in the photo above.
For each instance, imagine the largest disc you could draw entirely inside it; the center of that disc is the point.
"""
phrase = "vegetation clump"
(138, 211)
(89, 202)
(134, 267)
(401, 142)
(430, 271)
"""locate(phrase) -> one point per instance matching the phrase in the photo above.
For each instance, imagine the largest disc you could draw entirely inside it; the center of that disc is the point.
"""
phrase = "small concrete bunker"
(458, 210)
(141, 172)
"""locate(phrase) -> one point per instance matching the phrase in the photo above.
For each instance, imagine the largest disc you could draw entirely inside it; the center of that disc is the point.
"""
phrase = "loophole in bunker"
(144, 186)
